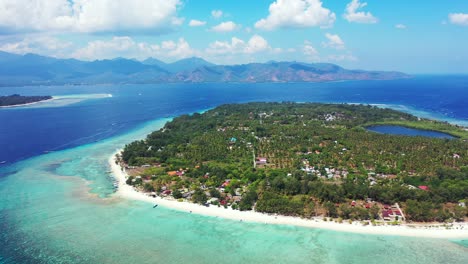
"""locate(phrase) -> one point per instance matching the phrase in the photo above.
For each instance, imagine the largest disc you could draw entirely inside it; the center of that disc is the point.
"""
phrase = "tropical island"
(306, 160)
(17, 100)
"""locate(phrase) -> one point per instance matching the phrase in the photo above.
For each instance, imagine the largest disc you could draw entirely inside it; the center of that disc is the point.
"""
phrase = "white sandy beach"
(458, 231)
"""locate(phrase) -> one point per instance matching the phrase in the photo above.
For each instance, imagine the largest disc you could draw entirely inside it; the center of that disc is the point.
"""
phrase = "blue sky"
(412, 36)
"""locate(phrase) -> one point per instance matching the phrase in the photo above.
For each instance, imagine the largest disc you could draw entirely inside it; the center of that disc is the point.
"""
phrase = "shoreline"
(28, 104)
(415, 230)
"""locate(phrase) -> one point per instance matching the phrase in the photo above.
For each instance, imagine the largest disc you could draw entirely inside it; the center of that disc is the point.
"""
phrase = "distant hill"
(155, 62)
(189, 64)
(31, 69)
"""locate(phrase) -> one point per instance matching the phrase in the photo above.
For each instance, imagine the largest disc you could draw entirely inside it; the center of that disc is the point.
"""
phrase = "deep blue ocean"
(56, 194)
(27, 132)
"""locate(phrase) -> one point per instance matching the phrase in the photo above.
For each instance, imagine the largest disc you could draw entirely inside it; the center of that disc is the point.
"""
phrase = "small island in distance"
(306, 160)
(17, 100)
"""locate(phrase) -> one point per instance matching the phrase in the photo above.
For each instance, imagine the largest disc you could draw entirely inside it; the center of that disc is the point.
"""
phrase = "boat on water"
(3, 162)
(155, 205)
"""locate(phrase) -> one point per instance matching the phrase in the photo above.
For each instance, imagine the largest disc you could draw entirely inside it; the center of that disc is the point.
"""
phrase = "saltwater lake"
(56, 203)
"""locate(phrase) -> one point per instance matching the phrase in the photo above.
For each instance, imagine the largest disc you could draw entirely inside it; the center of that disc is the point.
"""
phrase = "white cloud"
(353, 15)
(224, 47)
(342, 57)
(44, 45)
(400, 26)
(309, 50)
(180, 49)
(177, 21)
(225, 27)
(129, 48)
(296, 13)
(217, 13)
(196, 23)
(277, 50)
(102, 49)
(459, 19)
(87, 16)
(334, 41)
(255, 44)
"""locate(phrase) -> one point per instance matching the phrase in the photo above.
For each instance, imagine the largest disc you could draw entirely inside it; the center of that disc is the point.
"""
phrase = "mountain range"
(32, 69)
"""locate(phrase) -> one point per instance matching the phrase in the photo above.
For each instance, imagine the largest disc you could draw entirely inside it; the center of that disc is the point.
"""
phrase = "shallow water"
(58, 207)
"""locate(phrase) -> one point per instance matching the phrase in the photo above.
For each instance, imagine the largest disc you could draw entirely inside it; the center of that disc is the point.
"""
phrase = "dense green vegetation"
(318, 157)
(17, 99)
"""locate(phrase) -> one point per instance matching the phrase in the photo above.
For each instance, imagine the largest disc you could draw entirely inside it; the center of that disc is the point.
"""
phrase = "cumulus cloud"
(102, 49)
(459, 19)
(129, 48)
(225, 27)
(196, 23)
(224, 47)
(310, 51)
(334, 41)
(256, 44)
(400, 26)
(44, 45)
(352, 13)
(180, 49)
(237, 46)
(296, 13)
(217, 13)
(87, 16)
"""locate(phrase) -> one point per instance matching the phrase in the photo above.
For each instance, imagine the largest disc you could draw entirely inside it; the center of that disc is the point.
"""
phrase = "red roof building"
(424, 187)
(172, 173)
(225, 184)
